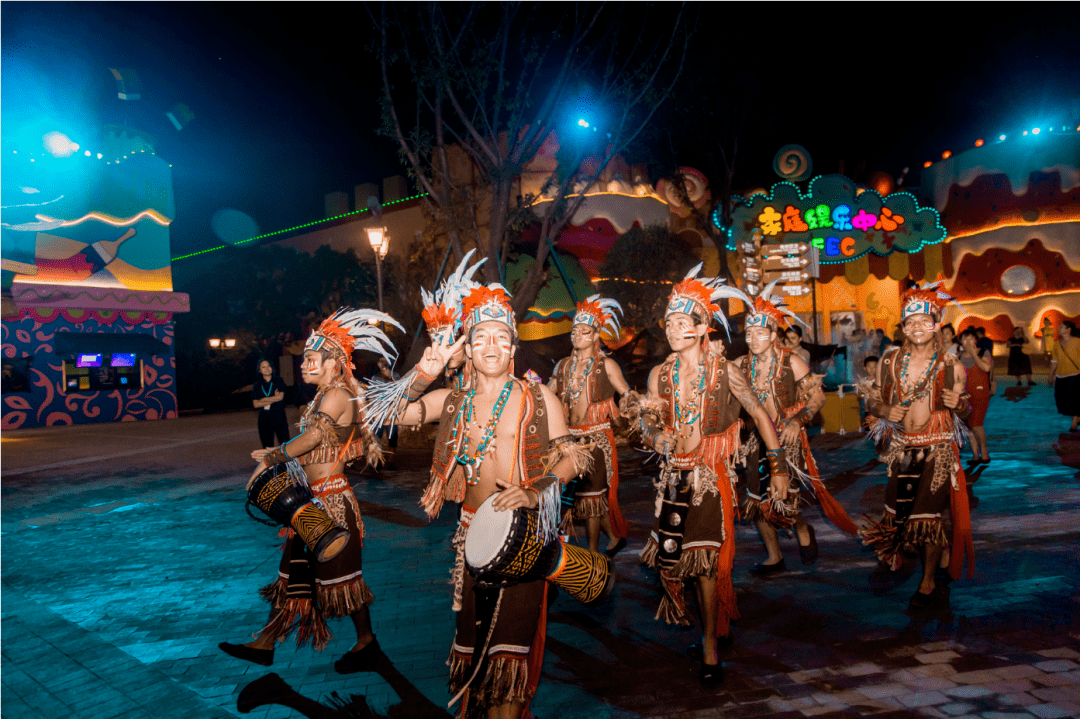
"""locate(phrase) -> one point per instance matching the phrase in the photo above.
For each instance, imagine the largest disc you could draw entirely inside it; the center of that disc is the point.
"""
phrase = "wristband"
(543, 483)
(421, 381)
(777, 462)
(804, 417)
(278, 455)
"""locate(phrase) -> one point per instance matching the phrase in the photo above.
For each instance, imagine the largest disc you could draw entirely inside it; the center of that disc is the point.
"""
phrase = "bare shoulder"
(550, 398)
(799, 367)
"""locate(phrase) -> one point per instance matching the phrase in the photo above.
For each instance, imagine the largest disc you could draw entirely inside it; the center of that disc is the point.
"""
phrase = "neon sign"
(842, 223)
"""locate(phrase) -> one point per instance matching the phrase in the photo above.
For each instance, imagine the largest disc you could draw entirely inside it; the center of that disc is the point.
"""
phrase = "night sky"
(285, 96)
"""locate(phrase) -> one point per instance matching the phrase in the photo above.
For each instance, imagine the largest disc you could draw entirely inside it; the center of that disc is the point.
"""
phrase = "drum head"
(487, 533)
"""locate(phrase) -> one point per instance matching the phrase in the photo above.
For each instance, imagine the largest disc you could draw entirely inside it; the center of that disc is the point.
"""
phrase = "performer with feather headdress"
(792, 396)
(586, 382)
(443, 317)
(919, 400)
(499, 435)
(332, 434)
(691, 416)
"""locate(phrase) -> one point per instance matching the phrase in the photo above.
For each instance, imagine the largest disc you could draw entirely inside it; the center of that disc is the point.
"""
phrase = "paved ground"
(128, 557)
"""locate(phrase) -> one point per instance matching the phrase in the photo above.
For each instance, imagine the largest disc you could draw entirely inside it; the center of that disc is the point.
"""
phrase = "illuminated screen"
(89, 360)
(123, 359)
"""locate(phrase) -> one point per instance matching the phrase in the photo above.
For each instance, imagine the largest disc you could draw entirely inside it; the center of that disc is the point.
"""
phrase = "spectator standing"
(1065, 373)
(882, 341)
(983, 342)
(979, 364)
(268, 396)
(948, 339)
(1047, 337)
(1019, 362)
(793, 342)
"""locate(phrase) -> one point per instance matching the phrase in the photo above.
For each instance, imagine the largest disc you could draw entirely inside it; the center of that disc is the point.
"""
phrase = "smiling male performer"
(331, 435)
(500, 435)
(692, 409)
(792, 396)
(586, 382)
(919, 399)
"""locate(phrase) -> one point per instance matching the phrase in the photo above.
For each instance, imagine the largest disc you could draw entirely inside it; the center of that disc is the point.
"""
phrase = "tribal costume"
(509, 671)
(694, 531)
(788, 398)
(925, 473)
(596, 492)
(307, 592)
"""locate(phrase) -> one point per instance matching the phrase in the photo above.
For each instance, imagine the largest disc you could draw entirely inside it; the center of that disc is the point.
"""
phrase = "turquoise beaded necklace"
(472, 464)
(575, 392)
(920, 388)
(764, 394)
(693, 405)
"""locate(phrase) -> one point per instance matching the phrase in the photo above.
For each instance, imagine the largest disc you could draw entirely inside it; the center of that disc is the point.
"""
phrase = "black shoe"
(361, 660)
(922, 601)
(248, 654)
(264, 690)
(810, 551)
(712, 675)
(616, 548)
(764, 570)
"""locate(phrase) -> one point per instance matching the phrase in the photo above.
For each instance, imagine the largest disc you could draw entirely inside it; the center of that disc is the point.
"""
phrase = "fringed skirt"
(504, 675)
(699, 549)
(916, 497)
(306, 592)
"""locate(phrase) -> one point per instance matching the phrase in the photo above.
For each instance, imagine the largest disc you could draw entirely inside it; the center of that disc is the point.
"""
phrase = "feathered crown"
(486, 303)
(925, 300)
(769, 309)
(347, 330)
(442, 309)
(599, 313)
(700, 294)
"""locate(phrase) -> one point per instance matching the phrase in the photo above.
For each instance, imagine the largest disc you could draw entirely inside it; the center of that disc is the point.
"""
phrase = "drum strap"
(483, 602)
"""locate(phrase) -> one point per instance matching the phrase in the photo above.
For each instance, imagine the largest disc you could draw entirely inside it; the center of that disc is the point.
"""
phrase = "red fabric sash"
(619, 525)
(962, 545)
(829, 506)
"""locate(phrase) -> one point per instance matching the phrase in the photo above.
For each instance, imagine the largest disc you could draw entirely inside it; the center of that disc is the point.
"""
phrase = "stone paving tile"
(816, 642)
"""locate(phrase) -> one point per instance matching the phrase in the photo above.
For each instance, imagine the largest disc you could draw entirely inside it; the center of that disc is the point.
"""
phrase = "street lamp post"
(380, 243)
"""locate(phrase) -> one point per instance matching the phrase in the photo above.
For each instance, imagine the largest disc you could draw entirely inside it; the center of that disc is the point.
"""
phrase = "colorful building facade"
(88, 314)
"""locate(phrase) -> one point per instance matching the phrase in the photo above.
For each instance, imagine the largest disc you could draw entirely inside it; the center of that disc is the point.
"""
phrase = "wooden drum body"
(292, 504)
(504, 548)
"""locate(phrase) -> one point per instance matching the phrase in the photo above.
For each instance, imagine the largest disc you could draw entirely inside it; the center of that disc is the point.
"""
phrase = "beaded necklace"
(920, 387)
(573, 392)
(762, 394)
(472, 464)
(683, 416)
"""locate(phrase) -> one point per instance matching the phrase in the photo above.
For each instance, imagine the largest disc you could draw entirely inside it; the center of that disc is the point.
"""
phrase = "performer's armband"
(420, 382)
(278, 455)
(804, 417)
(777, 462)
(544, 482)
(650, 429)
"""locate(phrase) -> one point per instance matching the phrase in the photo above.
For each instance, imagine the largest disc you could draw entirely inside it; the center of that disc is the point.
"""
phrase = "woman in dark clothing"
(1019, 363)
(268, 396)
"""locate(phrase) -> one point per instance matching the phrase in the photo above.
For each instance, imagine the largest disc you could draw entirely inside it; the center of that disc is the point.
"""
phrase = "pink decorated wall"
(39, 398)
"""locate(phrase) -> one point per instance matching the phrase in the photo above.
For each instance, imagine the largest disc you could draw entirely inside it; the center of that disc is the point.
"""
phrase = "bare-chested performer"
(502, 435)
(919, 399)
(332, 434)
(587, 382)
(691, 415)
(792, 396)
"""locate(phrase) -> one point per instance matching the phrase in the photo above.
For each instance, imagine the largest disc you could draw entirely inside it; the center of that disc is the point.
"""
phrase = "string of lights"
(1002, 138)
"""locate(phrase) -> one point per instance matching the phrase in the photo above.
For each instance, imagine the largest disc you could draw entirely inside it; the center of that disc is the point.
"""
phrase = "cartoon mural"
(91, 258)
